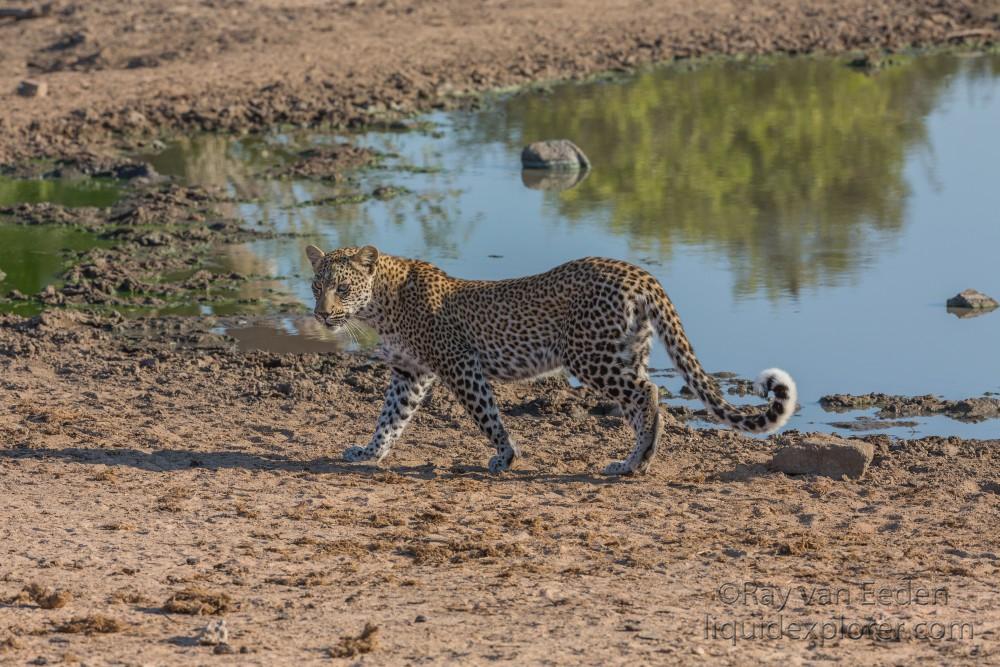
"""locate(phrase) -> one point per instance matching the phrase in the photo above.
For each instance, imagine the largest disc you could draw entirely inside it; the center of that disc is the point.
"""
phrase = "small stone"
(223, 649)
(33, 88)
(154, 239)
(827, 455)
(420, 619)
(214, 634)
(135, 118)
(131, 170)
(556, 154)
(971, 298)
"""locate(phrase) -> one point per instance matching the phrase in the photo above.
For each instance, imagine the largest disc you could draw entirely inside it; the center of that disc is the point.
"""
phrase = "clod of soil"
(92, 624)
(827, 455)
(198, 602)
(348, 646)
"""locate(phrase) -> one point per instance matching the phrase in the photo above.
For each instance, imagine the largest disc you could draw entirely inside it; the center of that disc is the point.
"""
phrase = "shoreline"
(227, 80)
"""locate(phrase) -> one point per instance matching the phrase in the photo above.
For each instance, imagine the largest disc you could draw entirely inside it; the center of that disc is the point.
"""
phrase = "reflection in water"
(785, 170)
(33, 257)
(62, 191)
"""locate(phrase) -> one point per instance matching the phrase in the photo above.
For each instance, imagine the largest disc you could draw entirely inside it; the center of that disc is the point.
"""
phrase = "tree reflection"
(794, 171)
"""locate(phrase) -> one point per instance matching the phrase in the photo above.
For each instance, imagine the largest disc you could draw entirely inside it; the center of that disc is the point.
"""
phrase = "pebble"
(33, 88)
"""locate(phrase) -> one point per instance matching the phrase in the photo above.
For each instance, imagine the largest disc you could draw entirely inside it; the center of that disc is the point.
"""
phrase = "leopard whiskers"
(354, 331)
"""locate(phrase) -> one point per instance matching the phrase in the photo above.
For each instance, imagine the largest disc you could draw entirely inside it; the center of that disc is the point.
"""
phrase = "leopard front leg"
(406, 391)
(468, 382)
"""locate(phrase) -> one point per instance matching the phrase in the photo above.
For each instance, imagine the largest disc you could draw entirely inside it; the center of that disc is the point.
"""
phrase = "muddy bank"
(149, 462)
(161, 240)
(112, 78)
(889, 407)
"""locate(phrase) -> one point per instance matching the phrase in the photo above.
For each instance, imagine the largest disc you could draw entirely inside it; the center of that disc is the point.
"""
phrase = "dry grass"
(89, 625)
(308, 580)
(798, 546)
(424, 553)
(128, 596)
(10, 644)
(198, 602)
(348, 647)
(118, 525)
(106, 475)
(44, 597)
(172, 500)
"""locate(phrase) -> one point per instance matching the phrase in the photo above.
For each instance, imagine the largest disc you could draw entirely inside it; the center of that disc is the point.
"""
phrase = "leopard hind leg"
(618, 370)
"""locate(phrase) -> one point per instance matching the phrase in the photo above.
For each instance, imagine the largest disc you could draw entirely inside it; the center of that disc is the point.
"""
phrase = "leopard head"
(342, 285)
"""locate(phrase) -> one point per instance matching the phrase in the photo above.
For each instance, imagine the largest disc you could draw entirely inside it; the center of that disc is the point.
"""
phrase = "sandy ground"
(146, 462)
(143, 460)
(139, 68)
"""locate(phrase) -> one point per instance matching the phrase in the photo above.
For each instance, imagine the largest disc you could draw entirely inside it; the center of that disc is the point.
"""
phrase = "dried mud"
(975, 409)
(153, 461)
(163, 237)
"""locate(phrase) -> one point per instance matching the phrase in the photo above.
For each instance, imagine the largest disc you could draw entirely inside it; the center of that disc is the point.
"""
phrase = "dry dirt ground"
(150, 468)
(145, 461)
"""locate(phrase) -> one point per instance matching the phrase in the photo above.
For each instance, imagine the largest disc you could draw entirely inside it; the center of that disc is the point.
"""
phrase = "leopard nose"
(320, 315)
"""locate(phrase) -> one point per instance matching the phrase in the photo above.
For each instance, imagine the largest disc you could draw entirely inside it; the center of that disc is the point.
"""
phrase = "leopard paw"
(618, 468)
(355, 454)
(499, 464)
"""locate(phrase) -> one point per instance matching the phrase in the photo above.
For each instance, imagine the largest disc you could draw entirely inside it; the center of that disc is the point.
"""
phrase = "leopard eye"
(343, 289)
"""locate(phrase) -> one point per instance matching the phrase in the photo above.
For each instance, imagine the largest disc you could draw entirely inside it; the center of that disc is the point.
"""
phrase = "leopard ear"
(315, 256)
(367, 257)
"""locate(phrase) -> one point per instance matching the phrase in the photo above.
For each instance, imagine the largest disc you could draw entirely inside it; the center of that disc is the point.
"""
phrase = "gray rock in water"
(556, 154)
(827, 455)
(971, 298)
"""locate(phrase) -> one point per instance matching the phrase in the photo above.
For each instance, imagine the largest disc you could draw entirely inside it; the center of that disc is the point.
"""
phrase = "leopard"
(593, 318)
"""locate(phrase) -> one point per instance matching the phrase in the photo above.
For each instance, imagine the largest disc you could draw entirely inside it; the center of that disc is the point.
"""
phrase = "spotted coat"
(593, 317)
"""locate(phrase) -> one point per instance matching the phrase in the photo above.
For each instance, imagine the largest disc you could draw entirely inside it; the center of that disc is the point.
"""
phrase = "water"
(800, 214)
(80, 191)
(33, 257)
